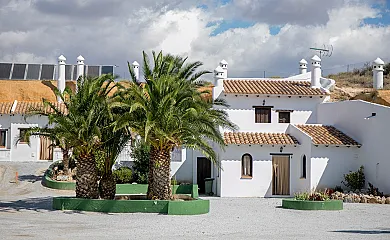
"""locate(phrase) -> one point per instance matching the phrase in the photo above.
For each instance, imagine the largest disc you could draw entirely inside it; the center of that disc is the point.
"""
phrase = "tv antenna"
(325, 51)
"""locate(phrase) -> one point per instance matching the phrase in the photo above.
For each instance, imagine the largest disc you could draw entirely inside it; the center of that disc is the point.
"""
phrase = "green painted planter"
(191, 189)
(194, 207)
(312, 205)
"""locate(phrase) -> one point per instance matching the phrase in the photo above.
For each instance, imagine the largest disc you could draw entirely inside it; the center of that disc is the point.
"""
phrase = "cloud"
(113, 32)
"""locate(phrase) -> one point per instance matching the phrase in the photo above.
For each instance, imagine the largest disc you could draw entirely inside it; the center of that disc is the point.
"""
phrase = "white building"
(290, 138)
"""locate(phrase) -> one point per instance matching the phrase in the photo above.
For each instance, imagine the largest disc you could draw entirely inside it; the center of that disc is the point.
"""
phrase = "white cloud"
(39, 31)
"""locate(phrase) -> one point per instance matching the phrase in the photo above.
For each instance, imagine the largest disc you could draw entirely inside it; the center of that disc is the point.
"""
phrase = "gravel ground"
(25, 213)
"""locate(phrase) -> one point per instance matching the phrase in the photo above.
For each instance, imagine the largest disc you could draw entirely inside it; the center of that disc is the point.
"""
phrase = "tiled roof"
(259, 138)
(25, 107)
(5, 107)
(260, 86)
(327, 135)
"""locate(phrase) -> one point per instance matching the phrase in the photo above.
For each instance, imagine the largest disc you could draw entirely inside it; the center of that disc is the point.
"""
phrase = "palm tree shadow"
(368, 232)
(40, 204)
(30, 178)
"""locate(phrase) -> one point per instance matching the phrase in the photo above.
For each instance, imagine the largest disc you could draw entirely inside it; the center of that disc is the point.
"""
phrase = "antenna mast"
(326, 51)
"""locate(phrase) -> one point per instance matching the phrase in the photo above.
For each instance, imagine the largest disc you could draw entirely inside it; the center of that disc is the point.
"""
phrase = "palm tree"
(80, 122)
(169, 111)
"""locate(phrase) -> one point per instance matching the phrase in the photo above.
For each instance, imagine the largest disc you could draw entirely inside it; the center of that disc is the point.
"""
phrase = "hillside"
(358, 85)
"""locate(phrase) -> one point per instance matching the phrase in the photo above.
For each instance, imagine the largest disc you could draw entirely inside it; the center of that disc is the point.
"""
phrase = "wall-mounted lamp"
(281, 149)
(372, 115)
(263, 102)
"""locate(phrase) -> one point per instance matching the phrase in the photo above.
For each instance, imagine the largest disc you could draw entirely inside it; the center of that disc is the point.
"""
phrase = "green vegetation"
(140, 153)
(123, 175)
(355, 180)
(170, 111)
(313, 196)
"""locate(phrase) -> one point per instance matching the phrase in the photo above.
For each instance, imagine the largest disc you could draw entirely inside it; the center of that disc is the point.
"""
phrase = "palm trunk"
(107, 186)
(150, 177)
(86, 177)
(160, 184)
(65, 160)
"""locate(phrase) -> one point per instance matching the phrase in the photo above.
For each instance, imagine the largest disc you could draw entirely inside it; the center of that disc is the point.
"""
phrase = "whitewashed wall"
(242, 113)
(232, 185)
(373, 134)
(20, 151)
(329, 164)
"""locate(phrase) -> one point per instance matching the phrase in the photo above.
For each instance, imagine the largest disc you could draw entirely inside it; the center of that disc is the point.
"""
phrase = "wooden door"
(46, 151)
(280, 175)
(203, 171)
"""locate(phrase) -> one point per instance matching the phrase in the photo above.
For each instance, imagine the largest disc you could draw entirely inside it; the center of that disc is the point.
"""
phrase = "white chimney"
(302, 66)
(61, 75)
(80, 66)
(135, 65)
(315, 71)
(377, 69)
(218, 82)
(224, 65)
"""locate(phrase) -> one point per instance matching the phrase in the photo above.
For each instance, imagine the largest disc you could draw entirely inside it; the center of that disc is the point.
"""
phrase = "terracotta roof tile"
(5, 107)
(25, 107)
(260, 86)
(259, 138)
(327, 135)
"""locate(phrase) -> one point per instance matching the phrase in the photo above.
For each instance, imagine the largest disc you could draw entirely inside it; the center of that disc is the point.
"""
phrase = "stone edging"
(312, 205)
(194, 207)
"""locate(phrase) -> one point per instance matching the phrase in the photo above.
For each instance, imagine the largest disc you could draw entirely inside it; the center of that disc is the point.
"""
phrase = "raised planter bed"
(312, 205)
(191, 189)
(193, 207)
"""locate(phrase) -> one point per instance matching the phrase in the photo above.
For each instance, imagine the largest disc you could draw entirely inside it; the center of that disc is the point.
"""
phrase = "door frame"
(289, 155)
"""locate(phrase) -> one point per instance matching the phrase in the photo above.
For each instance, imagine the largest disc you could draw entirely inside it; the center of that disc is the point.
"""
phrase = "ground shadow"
(31, 204)
(379, 231)
(30, 178)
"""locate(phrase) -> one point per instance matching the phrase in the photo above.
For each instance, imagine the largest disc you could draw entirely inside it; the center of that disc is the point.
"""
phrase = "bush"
(338, 189)
(355, 180)
(374, 191)
(313, 196)
(140, 153)
(123, 175)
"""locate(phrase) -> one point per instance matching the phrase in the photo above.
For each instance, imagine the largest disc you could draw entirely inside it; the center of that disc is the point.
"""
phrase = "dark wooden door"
(203, 171)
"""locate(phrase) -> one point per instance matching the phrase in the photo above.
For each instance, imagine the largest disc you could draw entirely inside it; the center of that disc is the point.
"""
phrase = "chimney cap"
(135, 63)
(223, 62)
(62, 58)
(80, 58)
(218, 70)
(316, 58)
(303, 61)
(379, 61)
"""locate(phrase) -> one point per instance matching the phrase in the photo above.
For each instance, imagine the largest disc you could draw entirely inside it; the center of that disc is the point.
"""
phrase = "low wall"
(312, 205)
(193, 207)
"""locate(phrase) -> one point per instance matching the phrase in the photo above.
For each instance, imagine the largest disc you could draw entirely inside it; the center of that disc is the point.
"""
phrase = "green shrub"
(312, 196)
(140, 153)
(99, 161)
(123, 175)
(374, 190)
(338, 189)
(355, 180)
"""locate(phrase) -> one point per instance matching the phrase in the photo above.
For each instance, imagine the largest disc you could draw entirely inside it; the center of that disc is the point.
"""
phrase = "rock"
(371, 199)
(383, 200)
(356, 200)
(348, 199)
(387, 200)
(363, 199)
(62, 178)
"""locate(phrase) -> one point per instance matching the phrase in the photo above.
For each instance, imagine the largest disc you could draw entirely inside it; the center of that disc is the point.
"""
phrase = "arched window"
(303, 175)
(246, 166)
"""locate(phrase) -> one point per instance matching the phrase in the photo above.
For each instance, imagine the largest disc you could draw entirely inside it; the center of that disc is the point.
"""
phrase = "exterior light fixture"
(281, 149)
(372, 115)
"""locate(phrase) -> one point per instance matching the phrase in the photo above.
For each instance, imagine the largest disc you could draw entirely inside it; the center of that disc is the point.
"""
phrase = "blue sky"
(225, 25)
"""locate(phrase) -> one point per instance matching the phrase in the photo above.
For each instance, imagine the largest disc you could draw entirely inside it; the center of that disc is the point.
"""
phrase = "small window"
(303, 175)
(246, 166)
(3, 138)
(262, 115)
(22, 133)
(284, 117)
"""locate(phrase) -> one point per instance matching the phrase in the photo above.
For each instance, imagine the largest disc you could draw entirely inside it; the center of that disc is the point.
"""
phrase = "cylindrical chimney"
(302, 66)
(377, 69)
(315, 72)
(61, 75)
